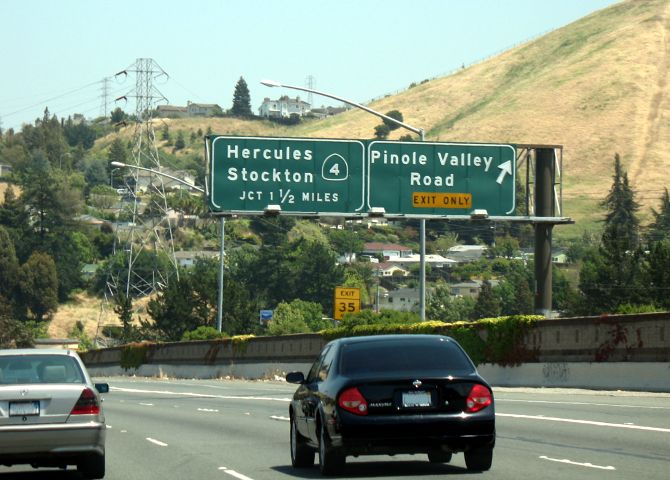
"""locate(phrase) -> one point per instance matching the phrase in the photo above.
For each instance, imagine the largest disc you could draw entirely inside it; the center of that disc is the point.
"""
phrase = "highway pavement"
(233, 429)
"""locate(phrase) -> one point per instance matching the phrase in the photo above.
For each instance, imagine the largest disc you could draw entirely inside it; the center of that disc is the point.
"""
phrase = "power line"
(42, 102)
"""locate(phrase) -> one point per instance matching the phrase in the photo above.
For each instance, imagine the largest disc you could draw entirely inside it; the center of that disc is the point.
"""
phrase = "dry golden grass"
(3, 188)
(598, 86)
(88, 310)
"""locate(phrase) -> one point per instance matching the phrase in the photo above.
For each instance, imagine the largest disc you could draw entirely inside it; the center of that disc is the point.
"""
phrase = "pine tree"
(660, 227)
(488, 304)
(622, 227)
(612, 275)
(241, 100)
(9, 266)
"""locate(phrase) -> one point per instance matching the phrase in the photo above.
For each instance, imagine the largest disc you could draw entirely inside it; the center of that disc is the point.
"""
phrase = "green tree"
(9, 266)
(396, 115)
(488, 304)
(117, 115)
(124, 309)
(622, 227)
(241, 100)
(658, 273)
(79, 133)
(612, 275)
(38, 283)
(286, 320)
(345, 242)
(660, 227)
(273, 230)
(382, 131)
(13, 333)
(315, 272)
(441, 305)
(506, 247)
(173, 311)
(180, 143)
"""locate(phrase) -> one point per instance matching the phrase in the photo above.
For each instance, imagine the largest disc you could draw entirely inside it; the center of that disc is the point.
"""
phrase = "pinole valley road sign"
(300, 175)
(440, 179)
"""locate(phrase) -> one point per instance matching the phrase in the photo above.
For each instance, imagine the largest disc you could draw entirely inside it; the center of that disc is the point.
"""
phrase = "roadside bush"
(203, 333)
(490, 340)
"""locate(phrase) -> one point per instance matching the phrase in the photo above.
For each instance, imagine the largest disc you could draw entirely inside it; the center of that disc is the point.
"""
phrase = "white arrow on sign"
(505, 168)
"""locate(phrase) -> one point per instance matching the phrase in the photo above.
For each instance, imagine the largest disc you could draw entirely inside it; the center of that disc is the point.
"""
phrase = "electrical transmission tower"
(104, 96)
(144, 240)
(310, 82)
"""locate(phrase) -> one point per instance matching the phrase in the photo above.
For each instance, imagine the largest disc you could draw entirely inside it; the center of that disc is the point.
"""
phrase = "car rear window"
(439, 355)
(39, 369)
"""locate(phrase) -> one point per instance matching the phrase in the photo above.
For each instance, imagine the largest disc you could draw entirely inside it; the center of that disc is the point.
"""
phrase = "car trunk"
(415, 395)
(37, 404)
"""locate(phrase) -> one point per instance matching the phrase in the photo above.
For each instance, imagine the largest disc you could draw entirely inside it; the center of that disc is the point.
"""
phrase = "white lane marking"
(156, 442)
(147, 404)
(283, 419)
(109, 427)
(235, 474)
(585, 422)
(570, 462)
(211, 410)
(199, 395)
(499, 400)
(247, 413)
(124, 431)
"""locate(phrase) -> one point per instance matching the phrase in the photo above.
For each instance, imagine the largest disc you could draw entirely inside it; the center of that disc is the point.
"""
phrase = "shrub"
(489, 340)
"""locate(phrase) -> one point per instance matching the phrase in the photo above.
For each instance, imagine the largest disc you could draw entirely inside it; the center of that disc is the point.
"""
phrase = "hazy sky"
(56, 53)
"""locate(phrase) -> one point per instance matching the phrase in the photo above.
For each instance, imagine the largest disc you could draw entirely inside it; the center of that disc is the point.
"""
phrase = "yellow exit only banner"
(441, 200)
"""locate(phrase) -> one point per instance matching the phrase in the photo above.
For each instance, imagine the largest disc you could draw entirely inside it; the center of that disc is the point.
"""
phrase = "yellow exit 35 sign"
(347, 300)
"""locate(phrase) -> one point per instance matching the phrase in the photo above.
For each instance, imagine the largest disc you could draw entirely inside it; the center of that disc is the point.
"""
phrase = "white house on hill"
(283, 108)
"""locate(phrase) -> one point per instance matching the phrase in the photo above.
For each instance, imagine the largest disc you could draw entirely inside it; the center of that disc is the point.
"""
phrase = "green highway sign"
(304, 176)
(438, 179)
(290, 175)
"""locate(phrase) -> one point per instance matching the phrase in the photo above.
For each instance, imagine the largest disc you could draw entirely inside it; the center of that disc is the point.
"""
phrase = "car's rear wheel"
(331, 460)
(479, 459)
(92, 467)
(301, 454)
(439, 456)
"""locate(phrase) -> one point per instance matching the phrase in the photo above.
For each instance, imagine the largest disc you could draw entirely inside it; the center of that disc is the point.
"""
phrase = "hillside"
(597, 86)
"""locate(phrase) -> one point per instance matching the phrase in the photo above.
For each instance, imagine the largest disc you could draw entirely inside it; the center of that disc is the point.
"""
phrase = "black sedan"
(391, 394)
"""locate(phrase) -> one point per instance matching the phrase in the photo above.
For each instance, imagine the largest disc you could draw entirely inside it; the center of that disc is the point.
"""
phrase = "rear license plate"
(416, 399)
(23, 409)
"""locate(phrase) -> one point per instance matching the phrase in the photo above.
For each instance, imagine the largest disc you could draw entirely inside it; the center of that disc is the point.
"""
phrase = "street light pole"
(418, 131)
(176, 179)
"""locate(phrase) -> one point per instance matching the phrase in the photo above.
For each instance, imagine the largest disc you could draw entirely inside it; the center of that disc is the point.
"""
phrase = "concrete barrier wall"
(612, 352)
(630, 376)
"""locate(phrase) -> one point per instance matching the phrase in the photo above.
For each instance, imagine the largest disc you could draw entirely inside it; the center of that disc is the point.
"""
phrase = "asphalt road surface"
(229, 429)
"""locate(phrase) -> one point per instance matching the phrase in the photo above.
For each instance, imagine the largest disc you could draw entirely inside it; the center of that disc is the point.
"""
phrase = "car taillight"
(478, 399)
(353, 401)
(87, 404)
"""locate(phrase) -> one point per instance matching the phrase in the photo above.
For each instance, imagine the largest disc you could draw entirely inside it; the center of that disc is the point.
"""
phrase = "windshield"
(39, 369)
(437, 355)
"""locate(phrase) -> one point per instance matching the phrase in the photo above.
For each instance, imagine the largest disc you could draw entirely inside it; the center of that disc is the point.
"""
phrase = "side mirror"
(102, 387)
(295, 377)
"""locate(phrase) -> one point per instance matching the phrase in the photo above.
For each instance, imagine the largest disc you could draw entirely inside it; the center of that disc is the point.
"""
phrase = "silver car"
(50, 412)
